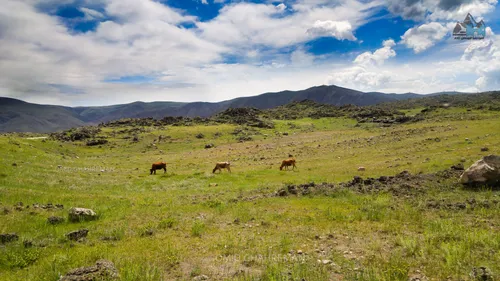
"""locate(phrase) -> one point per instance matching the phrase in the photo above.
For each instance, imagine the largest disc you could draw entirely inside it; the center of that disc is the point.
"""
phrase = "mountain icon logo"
(469, 29)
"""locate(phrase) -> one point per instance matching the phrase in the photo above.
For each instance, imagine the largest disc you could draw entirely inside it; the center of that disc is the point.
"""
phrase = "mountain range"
(20, 116)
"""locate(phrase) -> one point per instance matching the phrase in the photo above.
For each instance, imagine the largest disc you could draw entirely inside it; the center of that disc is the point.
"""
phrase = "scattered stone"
(19, 206)
(484, 171)
(458, 167)
(8, 237)
(55, 220)
(95, 142)
(200, 277)
(102, 270)
(481, 273)
(79, 214)
(210, 145)
(299, 252)
(14, 164)
(361, 169)
(200, 136)
(77, 234)
(285, 133)
(484, 149)
(213, 184)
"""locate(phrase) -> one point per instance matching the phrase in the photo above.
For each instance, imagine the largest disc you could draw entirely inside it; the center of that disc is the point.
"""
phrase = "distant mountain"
(20, 116)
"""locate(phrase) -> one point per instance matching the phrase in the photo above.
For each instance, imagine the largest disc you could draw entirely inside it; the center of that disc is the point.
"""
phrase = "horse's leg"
(165, 169)
(229, 169)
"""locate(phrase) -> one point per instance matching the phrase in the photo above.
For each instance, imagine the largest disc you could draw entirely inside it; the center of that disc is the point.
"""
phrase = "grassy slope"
(373, 236)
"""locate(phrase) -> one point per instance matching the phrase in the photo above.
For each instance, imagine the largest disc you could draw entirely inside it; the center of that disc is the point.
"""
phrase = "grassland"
(190, 222)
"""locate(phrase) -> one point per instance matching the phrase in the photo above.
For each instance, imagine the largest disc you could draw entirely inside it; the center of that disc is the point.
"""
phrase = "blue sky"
(99, 52)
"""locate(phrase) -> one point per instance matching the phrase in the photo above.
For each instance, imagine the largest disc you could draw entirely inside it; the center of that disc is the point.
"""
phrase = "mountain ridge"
(20, 116)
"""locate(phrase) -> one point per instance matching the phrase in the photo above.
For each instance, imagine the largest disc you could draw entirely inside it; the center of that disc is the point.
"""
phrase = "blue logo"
(469, 29)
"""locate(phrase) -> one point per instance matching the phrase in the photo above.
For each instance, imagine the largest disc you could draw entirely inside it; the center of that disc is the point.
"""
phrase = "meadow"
(190, 223)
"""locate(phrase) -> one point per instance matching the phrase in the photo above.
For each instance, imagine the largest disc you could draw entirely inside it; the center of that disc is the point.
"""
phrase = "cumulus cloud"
(281, 7)
(250, 24)
(360, 78)
(439, 9)
(338, 29)
(366, 75)
(422, 37)
(379, 56)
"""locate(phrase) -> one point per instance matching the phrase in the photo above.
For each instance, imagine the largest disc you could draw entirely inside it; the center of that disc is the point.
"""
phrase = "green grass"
(189, 221)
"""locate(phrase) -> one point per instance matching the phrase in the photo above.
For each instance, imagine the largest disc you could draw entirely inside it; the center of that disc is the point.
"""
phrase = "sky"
(103, 52)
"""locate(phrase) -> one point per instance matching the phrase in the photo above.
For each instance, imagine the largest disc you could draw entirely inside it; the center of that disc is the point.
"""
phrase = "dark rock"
(210, 145)
(14, 164)
(8, 237)
(481, 273)
(357, 180)
(95, 142)
(292, 189)
(55, 220)
(77, 234)
(200, 136)
(484, 149)
(102, 270)
(282, 192)
(458, 167)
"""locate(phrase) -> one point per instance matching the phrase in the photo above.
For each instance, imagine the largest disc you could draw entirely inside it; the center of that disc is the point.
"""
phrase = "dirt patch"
(402, 184)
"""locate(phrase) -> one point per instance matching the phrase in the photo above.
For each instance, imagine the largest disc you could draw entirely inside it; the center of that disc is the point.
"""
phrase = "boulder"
(55, 220)
(102, 270)
(484, 171)
(77, 234)
(81, 214)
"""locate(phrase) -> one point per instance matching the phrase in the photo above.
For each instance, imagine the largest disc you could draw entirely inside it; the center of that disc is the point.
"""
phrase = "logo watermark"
(85, 169)
(469, 29)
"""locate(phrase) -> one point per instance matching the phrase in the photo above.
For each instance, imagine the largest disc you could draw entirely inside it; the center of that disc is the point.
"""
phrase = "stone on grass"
(102, 270)
(55, 220)
(81, 214)
(484, 171)
(8, 237)
(77, 234)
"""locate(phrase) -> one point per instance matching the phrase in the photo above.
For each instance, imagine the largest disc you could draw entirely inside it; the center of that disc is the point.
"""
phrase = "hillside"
(405, 216)
(19, 116)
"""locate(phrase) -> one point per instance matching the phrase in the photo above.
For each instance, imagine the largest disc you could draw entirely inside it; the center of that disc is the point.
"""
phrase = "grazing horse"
(158, 166)
(222, 165)
(287, 163)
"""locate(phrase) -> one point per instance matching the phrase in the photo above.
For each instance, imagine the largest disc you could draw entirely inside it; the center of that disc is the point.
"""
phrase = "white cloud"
(379, 56)
(42, 61)
(249, 24)
(91, 14)
(204, 2)
(281, 7)
(424, 36)
(338, 29)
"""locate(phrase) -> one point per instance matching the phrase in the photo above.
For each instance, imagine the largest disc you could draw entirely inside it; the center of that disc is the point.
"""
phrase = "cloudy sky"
(100, 52)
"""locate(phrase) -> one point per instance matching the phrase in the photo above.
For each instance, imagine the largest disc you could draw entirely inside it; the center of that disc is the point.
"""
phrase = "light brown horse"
(222, 165)
(287, 163)
(158, 166)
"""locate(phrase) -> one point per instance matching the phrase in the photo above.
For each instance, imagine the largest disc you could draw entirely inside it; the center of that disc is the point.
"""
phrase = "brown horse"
(158, 166)
(222, 165)
(287, 163)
